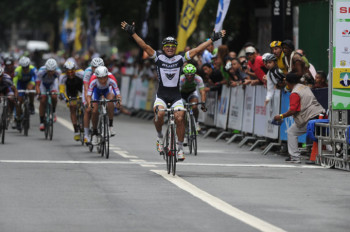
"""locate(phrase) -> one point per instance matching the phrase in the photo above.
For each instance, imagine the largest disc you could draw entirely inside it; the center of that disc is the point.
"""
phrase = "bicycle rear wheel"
(167, 151)
(193, 135)
(25, 120)
(106, 137)
(3, 125)
(173, 150)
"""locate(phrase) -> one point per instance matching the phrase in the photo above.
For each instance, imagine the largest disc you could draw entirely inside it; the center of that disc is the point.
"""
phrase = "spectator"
(303, 107)
(256, 64)
(274, 77)
(276, 49)
(242, 51)
(232, 54)
(214, 77)
(208, 53)
(320, 80)
(311, 67)
(236, 71)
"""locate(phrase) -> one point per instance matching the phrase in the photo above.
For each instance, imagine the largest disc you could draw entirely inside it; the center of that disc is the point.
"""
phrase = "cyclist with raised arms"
(102, 84)
(95, 62)
(188, 88)
(168, 68)
(70, 84)
(25, 77)
(47, 81)
(7, 88)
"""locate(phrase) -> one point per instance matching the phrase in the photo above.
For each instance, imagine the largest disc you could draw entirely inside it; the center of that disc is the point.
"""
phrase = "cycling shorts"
(52, 87)
(188, 96)
(176, 104)
(97, 93)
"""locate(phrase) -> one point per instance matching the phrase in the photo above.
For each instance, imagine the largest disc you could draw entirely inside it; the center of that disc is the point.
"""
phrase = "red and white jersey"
(95, 83)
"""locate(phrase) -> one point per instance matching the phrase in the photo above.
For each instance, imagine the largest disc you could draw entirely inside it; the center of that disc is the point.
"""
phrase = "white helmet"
(1, 71)
(69, 65)
(24, 61)
(101, 71)
(51, 64)
(97, 62)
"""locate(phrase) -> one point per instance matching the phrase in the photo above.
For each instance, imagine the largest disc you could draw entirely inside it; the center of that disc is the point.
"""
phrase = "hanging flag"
(77, 42)
(220, 16)
(188, 22)
(64, 33)
(144, 30)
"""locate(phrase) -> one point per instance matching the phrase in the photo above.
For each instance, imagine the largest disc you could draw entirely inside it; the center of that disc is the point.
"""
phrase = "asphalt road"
(59, 185)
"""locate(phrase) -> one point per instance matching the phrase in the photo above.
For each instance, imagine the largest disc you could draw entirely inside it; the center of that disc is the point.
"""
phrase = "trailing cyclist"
(7, 88)
(101, 84)
(47, 81)
(25, 77)
(189, 81)
(95, 62)
(70, 84)
(168, 69)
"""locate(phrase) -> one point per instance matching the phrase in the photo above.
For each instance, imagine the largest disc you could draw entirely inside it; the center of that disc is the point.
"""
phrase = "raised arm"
(215, 36)
(131, 30)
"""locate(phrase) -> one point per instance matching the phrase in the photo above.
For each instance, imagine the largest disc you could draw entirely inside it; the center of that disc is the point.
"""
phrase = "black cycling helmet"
(169, 40)
(8, 60)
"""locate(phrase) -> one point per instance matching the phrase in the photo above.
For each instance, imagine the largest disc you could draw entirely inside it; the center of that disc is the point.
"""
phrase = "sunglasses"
(170, 46)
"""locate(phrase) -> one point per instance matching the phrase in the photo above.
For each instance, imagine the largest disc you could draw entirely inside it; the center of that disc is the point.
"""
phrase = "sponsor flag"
(188, 22)
(77, 42)
(64, 33)
(144, 30)
(220, 16)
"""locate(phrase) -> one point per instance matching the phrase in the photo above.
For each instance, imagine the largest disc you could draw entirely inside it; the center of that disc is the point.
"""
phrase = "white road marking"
(139, 161)
(219, 204)
(65, 162)
(65, 123)
(148, 165)
(122, 154)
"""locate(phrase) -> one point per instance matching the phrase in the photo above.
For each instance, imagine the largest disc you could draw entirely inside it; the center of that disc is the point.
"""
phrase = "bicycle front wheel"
(193, 135)
(167, 151)
(106, 137)
(51, 123)
(173, 150)
(189, 131)
(25, 121)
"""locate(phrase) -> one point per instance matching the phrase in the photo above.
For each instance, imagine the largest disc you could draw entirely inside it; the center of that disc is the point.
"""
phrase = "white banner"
(220, 16)
(260, 120)
(140, 94)
(236, 108)
(124, 91)
(132, 92)
(248, 114)
(208, 118)
(272, 109)
(223, 107)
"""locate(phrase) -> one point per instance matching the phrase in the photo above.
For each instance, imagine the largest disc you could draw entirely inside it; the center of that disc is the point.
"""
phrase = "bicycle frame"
(25, 118)
(169, 141)
(49, 115)
(103, 125)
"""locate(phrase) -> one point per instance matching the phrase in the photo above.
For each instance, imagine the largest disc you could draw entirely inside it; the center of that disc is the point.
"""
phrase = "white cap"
(250, 49)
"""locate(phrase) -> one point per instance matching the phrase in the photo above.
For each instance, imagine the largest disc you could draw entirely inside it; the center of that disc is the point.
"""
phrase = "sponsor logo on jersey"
(164, 65)
(170, 76)
(342, 63)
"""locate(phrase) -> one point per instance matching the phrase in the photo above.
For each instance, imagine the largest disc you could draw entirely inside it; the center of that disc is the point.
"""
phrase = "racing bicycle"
(169, 142)
(25, 119)
(103, 127)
